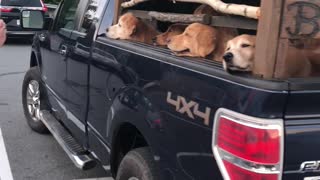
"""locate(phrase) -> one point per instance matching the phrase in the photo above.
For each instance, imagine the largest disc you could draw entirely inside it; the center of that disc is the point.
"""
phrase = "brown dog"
(177, 29)
(200, 40)
(130, 27)
(173, 30)
(240, 52)
(197, 40)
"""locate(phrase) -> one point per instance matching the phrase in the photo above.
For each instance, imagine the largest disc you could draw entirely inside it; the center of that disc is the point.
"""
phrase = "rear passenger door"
(54, 45)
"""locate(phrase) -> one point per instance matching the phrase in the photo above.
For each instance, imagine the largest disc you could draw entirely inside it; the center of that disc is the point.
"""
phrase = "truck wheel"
(138, 164)
(34, 100)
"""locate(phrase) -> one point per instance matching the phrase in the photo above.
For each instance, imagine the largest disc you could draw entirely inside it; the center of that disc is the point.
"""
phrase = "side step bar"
(74, 150)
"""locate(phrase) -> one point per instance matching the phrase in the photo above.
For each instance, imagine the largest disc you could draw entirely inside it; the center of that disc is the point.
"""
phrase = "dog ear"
(206, 43)
(133, 31)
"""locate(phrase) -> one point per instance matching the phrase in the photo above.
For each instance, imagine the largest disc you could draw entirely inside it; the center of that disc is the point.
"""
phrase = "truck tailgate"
(302, 141)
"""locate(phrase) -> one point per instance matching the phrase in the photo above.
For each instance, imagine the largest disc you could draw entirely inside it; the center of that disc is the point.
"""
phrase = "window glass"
(107, 18)
(92, 12)
(67, 14)
(26, 3)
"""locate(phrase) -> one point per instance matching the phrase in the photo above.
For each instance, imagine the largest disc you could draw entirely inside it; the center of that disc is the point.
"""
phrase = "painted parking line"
(5, 170)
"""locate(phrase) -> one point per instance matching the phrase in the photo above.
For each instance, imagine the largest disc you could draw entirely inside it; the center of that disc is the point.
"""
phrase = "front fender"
(36, 59)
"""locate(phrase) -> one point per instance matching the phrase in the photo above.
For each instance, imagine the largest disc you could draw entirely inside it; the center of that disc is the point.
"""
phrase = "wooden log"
(218, 5)
(217, 21)
(180, 18)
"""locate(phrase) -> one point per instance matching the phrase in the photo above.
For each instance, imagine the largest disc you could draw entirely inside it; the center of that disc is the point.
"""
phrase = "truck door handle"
(64, 50)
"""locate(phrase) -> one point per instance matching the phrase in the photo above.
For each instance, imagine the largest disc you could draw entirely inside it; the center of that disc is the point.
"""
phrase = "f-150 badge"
(190, 108)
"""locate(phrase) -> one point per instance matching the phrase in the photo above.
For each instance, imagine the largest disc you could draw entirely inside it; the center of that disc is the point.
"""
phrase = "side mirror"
(32, 19)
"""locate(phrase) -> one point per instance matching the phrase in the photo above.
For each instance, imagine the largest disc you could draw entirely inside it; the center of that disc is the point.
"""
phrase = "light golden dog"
(240, 53)
(131, 28)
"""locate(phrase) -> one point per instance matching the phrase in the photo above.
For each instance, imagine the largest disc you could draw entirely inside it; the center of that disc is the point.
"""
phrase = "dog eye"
(245, 45)
(228, 48)
(119, 25)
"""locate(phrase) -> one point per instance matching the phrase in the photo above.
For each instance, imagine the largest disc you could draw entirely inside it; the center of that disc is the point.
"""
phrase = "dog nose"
(228, 57)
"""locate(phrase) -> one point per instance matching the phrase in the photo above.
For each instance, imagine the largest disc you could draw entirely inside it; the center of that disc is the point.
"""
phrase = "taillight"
(3, 9)
(247, 148)
(44, 7)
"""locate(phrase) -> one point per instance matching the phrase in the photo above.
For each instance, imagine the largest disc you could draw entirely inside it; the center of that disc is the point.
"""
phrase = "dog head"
(239, 54)
(126, 27)
(197, 38)
(173, 30)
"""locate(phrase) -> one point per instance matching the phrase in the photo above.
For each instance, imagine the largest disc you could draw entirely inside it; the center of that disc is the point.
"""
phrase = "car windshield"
(24, 3)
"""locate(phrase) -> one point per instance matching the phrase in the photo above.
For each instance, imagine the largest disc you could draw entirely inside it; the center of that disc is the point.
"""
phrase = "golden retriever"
(240, 53)
(177, 29)
(131, 28)
(173, 30)
(198, 40)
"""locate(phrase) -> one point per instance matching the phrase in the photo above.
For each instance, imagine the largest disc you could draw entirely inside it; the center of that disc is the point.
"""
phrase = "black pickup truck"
(146, 114)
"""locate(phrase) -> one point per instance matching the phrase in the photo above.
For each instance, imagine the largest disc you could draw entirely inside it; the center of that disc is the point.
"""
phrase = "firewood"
(218, 5)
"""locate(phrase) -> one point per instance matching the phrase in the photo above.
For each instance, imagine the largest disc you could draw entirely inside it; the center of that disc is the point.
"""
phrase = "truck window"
(92, 13)
(67, 14)
(107, 19)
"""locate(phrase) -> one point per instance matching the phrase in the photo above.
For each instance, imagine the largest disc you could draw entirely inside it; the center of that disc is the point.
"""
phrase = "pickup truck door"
(54, 45)
(77, 85)
(78, 70)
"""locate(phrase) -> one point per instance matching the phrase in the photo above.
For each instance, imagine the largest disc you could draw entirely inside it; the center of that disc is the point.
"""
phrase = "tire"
(138, 164)
(39, 100)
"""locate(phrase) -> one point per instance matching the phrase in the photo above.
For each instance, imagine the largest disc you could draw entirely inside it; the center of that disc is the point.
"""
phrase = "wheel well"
(33, 60)
(128, 137)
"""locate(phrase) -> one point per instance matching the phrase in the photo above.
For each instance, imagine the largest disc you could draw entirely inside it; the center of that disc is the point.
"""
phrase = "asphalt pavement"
(31, 156)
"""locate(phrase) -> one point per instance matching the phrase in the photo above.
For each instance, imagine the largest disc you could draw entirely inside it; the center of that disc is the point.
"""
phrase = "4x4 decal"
(191, 108)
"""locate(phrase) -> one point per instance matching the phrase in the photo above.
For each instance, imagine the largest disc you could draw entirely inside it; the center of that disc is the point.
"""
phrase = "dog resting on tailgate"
(240, 53)
(132, 28)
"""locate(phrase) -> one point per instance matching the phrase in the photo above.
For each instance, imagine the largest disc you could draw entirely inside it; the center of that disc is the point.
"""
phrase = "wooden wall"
(282, 24)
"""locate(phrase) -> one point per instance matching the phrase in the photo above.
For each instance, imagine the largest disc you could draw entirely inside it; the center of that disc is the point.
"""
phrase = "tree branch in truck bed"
(218, 5)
